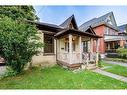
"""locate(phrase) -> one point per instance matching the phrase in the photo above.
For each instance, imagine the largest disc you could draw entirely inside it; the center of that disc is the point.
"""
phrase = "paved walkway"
(115, 76)
(118, 63)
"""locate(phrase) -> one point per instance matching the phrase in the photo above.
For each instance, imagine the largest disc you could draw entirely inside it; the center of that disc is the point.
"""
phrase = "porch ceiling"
(74, 31)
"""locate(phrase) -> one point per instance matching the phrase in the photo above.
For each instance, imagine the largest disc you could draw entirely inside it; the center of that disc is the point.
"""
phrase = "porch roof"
(74, 31)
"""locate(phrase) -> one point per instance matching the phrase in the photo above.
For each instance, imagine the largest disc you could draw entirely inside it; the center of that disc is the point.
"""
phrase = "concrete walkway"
(115, 76)
(117, 63)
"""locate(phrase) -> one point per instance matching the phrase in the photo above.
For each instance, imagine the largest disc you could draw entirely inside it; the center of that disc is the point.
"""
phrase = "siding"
(41, 59)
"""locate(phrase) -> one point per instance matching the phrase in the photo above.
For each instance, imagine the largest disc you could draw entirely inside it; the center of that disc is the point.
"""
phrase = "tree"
(19, 40)
(18, 12)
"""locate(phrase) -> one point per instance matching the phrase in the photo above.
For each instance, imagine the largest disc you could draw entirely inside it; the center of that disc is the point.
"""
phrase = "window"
(85, 46)
(67, 46)
(71, 26)
(49, 43)
(73, 46)
(109, 20)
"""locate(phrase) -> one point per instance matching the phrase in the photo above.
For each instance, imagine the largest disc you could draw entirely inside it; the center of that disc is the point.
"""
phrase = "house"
(123, 29)
(106, 27)
(66, 45)
(123, 33)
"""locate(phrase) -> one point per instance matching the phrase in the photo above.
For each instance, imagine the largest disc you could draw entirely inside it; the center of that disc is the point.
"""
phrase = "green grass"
(116, 69)
(59, 78)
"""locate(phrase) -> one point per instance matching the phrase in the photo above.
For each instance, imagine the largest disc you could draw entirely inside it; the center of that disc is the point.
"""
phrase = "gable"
(107, 19)
(70, 23)
(71, 26)
(111, 20)
(90, 30)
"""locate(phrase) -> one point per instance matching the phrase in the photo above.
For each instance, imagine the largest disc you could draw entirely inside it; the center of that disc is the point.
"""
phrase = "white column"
(58, 49)
(42, 38)
(55, 46)
(80, 48)
(91, 45)
(97, 51)
(70, 48)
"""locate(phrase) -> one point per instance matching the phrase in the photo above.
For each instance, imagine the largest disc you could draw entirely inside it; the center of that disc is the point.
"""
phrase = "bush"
(100, 63)
(18, 43)
(122, 52)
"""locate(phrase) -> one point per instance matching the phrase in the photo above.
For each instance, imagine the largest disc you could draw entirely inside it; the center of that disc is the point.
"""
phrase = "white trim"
(80, 48)
(70, 48)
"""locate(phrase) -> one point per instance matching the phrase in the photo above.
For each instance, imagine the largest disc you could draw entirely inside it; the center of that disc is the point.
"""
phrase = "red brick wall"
(100, 31)
(122, 43)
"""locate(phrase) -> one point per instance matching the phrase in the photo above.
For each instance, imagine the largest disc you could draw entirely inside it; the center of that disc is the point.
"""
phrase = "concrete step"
(91, 66)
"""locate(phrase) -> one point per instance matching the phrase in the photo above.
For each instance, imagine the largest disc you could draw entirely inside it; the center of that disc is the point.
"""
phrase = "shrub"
(18, 43)
(122, 52)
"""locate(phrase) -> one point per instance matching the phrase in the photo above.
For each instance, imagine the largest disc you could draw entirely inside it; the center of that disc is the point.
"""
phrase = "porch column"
(58, 49)
(97, 51)
(80, 48)
(70, 48)
(55, 46)
(91, 45)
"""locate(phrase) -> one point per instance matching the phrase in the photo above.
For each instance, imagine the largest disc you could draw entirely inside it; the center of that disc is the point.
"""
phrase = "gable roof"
(64, 29)
(68, 21)
(122, 28)
(75, 31)
(99, 21)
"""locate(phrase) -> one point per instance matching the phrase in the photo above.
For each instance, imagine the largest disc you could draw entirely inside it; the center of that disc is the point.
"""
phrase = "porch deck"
(88, 60)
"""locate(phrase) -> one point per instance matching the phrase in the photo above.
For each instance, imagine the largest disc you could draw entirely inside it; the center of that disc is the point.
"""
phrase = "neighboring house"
(66, 45)
(123, 29)
(123, 32)
(106, 27)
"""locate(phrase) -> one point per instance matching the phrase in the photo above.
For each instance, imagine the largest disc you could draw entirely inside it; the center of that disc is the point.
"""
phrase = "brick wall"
(100, 31)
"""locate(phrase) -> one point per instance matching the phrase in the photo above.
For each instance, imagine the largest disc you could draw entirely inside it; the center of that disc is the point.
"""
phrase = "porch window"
(73, 46)
(85, 46)
(49, 44)
(67, 46)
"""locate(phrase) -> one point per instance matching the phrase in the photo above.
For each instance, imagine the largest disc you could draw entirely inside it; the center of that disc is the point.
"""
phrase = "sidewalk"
(117, 63)
(115, 76)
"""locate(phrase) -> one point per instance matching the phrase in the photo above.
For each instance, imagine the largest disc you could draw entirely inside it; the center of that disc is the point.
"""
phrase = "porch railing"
(63, 57)
(76, 57)
(88, 57)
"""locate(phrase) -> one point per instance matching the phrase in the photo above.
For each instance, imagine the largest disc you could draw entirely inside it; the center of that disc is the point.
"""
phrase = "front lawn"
(116, 69)
(59, 78)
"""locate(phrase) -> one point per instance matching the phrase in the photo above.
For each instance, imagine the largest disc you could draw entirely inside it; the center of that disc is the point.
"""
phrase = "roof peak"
(68, 21)
(97, 21)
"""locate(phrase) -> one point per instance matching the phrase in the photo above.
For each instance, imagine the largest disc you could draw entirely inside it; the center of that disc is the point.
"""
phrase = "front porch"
(76, 51)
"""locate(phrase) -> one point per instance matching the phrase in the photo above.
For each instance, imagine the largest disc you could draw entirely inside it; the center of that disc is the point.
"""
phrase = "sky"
(58, 14)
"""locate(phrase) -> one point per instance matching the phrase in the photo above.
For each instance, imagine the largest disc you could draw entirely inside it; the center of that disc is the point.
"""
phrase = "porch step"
(91, 66)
